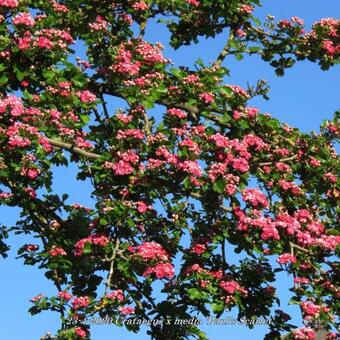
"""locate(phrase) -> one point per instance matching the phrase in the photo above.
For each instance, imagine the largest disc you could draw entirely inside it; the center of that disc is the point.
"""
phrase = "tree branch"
(226, 49)
(73, 148)
(283, 160)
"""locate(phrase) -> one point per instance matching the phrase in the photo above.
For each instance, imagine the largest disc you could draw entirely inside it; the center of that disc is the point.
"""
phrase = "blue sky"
(303, 98)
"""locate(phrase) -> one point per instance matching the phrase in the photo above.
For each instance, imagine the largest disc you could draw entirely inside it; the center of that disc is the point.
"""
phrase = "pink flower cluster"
(161, 270)
(248, 9)
(115, 295)
(191, 167)
(194, 3)
(126, 310)
(177, 113)
(120, 168)
(239, 90)
(9, 3)
(24, 19)
(310, 309)
(80, 302)
(31, 247)
(140, 6)
(152, 251)
(304, 334)
(231, 287)
(139, 49)
(95, 239)
(37, 298)
(254, 197)
(64, 296)
(86, 96)
(142, 207)
(286, 258)
(45, 39)
(14, 104)
(99, 25)
(301, 280)
(198, 249)
(130, 133)
(191, 145)
(79, 332)
(124, 165)
(55, 251)
(207, 98)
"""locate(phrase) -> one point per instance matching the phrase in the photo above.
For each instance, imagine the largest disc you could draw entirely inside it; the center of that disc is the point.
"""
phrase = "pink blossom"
(116, 294)
(220, 140)
(241, 164)
(161, 270)
(9, 3)
(330, 177)
(64, 296)
(314, 162)
(24, 19)
(32, 173)
(177, 113)
(95, 239)
(140, 6)
(151, 251)
(301, 280)
(304, 334)
(142, 207)
(191, 145)
(31, 247)
(122, 168)
(216, 170)
(251, 111)
(270, 232)
(44, 42)
(198, 249)
(191, 167)
(255, 198)
(80, 332)
(284, 23)
(240, 33)
(86, 96)
(37, 298)
(99, 25)
(286, 258)
(124, 118)
(329, 47)
(206, 97)
(126, 310)
(55, 251)
(230, 286)
(246, 9)
(130, 133)
(194, 2)
(80, 302)
(287, 222)
(297, 21)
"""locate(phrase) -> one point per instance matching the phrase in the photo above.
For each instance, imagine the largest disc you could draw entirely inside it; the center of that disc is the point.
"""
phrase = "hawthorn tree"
(213, 172)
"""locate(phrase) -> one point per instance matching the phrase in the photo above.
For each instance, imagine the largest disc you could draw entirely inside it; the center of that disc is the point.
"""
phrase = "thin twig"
(283, 160)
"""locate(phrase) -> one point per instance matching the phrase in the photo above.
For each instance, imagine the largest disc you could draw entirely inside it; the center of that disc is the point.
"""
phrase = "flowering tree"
(213, 172)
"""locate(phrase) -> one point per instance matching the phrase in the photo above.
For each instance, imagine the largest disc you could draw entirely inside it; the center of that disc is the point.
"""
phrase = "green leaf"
(219, 186)
(48, 74)
(195, 294)
(85, 118)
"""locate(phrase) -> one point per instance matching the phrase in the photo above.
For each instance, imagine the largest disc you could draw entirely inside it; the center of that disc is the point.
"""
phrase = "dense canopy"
(171, 190)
